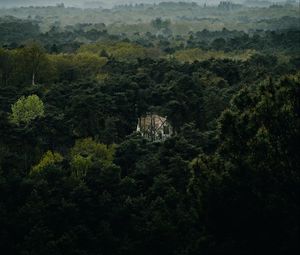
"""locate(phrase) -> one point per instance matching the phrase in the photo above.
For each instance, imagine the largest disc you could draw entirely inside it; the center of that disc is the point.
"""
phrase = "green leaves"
(88, 152)
(48, 159)
(122, 51)
(251, 182)
(27, 109)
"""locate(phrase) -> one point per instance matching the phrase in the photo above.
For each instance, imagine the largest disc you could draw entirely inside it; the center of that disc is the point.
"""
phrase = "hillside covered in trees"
(77, 178)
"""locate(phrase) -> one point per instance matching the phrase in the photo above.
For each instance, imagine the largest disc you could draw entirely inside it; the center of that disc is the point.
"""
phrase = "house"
(154, 127)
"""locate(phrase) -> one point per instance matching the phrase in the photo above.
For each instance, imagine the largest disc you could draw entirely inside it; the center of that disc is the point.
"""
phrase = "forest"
(77, 177)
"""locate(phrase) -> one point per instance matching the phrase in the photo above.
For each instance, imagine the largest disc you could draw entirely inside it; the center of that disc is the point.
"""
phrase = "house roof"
(152, 120)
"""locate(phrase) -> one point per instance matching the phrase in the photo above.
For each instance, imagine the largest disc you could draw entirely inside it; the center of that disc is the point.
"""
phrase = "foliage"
(27, 109)
(34, 57)
(192, 55)
(122, 51)
(255, 161)
(80, 180)
(48, 159)
(87, 152)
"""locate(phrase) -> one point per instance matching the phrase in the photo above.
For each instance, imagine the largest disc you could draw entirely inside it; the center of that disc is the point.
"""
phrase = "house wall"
(154, 127)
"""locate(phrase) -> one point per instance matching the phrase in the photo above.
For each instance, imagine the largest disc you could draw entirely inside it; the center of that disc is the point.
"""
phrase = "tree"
(88, 152)
(89, 64)
(34, 56)
(6, 66)
(27, 109)
(159, 23)
(250, 185)
(49, 158)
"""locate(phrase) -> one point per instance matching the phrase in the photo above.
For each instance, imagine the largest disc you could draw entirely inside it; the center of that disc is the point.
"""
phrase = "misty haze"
(111, 3)
(149, 127)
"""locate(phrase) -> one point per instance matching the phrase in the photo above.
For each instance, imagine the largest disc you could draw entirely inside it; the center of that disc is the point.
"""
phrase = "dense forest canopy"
(77, 177)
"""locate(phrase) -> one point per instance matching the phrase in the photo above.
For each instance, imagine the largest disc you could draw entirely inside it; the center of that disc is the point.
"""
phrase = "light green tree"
(48, 159)
(87, 152)
(26, 109)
